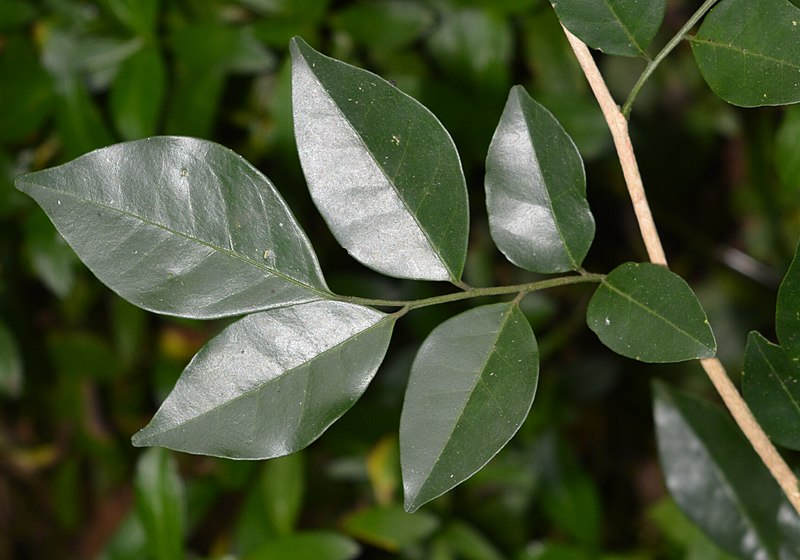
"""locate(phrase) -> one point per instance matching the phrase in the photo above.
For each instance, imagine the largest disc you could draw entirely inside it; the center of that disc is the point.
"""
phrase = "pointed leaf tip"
(272, 382)
(471, 387)
(645, 312)
(536, 190)
(381, 169)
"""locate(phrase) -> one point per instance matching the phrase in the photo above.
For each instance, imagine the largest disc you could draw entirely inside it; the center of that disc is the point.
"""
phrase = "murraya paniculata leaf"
(749, 51)
(381, 169)
(471, 387)
(536, 190)
(718, 480)
(645, 312)
(621, 27)
(180, 226)
(272, 382)
(771, 386)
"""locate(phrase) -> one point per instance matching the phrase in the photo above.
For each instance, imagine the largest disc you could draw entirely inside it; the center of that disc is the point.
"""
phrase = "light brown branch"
(738, 408)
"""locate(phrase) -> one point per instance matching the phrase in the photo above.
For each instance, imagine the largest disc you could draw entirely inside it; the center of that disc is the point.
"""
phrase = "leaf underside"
(717, 479)
(645, 312)
(749, 52)
(272, 382)
(536, 190)
(381, 169)
(471, 387)
(180, 226)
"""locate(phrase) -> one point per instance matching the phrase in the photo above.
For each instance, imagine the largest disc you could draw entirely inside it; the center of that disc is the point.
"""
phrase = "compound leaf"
(471, 387)
(380, 167)
(719, 482)
(180, 226)
(272, 382)
(787, 314)
(645, 312)
(771, 386)
(536, 190)
(622, 27)
(749, 52)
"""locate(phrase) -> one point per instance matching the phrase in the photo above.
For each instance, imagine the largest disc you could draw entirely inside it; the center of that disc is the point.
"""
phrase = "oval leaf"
(749, 52)
(623, 27)
(271, 383)
(160, 504)
(471, 387)
(787, 314)
(536, 190)
(645, 312)
(771, 386)
(380, 167)
(180, 226)
(719, 482)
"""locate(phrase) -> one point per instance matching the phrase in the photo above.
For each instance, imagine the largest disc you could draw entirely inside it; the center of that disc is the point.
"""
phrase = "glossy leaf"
(717, 479)
(622, 27)
(390, 528)
(160, 504)
(271, 383)
(308, 546)
(471, 387)
(180, 226)
(382, 170)
(10, 364)
(137, 94)
(536, 190)
(645, 312)
(771, 386)
(787, 313)
(749, 52)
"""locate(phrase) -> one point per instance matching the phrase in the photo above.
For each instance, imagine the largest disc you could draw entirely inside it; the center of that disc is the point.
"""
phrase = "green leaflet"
(622, 27)
(271, 383)
(536, 190)
(381, 169)
(771, 386)
(749, 52)
(471, 387)
(180, 226)
(645, 312)
(717, 479)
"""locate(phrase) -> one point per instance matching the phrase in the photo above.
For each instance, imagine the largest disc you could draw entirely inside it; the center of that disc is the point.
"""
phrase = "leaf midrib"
(478, 379)
(652, 312)
(259, 387)
(232, 254)
(383, 171)
(624, 28)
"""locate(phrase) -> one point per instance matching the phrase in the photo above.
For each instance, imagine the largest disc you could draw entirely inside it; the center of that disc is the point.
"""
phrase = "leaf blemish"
(184, 172)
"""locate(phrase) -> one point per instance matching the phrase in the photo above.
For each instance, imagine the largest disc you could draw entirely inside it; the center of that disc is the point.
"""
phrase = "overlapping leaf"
(622, 27)
(180, 226)
(380, 167)
(160, 504)
(719, 482)
(471, 386)
(536, 190)
(644, 311)
(787, 313)
(749, 51)
(771, 386)
(272, 382)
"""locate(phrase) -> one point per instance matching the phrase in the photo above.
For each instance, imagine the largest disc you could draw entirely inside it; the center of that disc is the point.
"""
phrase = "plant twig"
(653, 64)
(713, 367)
(469, 293)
